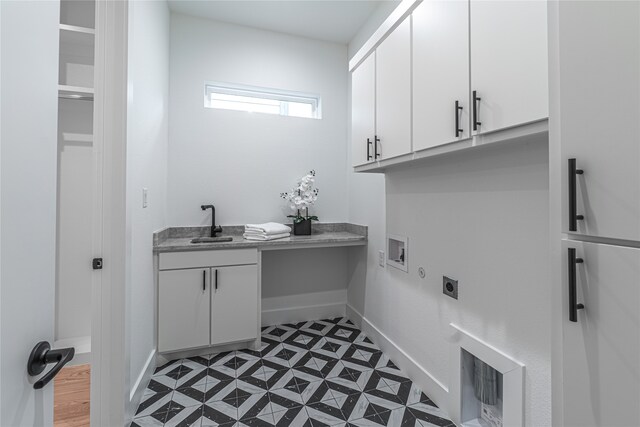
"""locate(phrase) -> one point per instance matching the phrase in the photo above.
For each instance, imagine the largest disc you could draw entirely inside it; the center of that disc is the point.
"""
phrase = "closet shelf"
(75, 92)
(77, 29)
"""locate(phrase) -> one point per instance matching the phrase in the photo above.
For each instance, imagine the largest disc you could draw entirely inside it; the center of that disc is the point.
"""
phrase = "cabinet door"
(599, 91)
(183, 309)
(440, 73)
(509, 62)
(393, 92)
(601, 351)
(363, 113)
(234, 304)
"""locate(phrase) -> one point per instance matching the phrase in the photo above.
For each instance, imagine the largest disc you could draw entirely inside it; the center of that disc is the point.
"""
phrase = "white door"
(440, 73)
(393, 92)
(28, 151)
(509, 62)
(599, 91)
(363, 111)
(183, 309)
(601, 361)
(234, 304)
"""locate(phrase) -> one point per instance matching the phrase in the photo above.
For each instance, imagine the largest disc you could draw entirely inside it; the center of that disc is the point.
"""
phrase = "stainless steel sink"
(212, 239)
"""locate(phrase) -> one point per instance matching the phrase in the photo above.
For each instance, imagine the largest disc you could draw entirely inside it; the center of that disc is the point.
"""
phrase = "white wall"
(147, 147)
(76, 177)
(366, 192)
(241, 162)
(480, 218)
(376, 18)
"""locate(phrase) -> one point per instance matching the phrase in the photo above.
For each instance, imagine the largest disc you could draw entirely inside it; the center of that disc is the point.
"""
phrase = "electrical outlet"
(145, 197)
(450, 287)
(381, 259)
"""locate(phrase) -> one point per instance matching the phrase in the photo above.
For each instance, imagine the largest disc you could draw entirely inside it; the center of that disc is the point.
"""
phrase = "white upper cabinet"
(363, 111)
(509, 62)
(599, 89)
(441, 96)
(393, 93)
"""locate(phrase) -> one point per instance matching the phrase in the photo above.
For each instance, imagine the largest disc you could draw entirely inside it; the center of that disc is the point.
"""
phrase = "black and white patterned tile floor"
(316, 373)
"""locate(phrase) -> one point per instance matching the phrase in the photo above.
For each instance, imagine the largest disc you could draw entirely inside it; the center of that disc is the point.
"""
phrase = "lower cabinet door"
(601, 348)
(183, 309)
(234, 304)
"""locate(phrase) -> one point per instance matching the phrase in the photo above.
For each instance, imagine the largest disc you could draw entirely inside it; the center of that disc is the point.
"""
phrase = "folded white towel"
(263, 237)
(268, 228)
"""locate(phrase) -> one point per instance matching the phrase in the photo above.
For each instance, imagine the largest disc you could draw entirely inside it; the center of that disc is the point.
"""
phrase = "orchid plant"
(302, 197)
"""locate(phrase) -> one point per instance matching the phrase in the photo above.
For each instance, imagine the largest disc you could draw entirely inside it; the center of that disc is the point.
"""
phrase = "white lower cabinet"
(183, 309)
(234, 302)
(208, 305)
(601, 345)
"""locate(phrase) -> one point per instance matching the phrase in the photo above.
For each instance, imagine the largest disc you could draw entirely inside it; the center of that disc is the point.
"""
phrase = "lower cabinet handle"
(476, 114)
(458, 110)
(369, 157)
(376, 154)
(574, 306)
(204, 280)
(216, 279)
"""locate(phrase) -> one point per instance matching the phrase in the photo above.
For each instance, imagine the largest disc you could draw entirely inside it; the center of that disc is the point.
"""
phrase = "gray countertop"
(175, 239)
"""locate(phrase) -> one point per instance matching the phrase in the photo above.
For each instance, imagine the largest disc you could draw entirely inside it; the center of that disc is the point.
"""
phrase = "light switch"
(145, 200)
(381, 259)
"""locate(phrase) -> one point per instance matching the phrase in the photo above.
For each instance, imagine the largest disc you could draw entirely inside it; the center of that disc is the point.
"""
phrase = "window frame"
(284, 97)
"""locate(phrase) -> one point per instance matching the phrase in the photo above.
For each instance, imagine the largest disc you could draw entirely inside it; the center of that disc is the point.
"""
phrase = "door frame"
(109, 347)
(555, 216)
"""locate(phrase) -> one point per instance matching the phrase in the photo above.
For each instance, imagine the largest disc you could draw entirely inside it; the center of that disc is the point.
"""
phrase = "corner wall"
(479, 217)
(147, 145)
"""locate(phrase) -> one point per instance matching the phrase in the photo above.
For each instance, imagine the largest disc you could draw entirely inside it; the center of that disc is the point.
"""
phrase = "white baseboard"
(433, 388)
(300, 314)
(298, 308)
(82, 345)
(138, 388)
(354, 315)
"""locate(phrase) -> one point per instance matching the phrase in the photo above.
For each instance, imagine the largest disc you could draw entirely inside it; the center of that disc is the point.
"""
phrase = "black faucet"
(214, 228)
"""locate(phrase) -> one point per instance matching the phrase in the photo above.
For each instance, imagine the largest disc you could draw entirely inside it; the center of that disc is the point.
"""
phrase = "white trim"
(135, 396)
(433, 388)
(299, 314)
(109, 360)
(399, 14)
(512, 376)
(354, 315)
(309, 306)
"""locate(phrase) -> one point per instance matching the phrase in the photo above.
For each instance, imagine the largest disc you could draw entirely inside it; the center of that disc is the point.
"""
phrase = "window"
(261, 100)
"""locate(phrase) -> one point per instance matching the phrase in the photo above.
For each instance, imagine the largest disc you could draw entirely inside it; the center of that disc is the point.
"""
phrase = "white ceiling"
(330, 20)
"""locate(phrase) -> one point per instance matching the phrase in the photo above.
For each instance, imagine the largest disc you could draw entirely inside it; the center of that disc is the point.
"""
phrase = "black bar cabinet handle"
(216, 279)
(574, 306)
(375, 147)
(204, 280)
(369, 149)
(476, 116)
(41, 356)
(458, 110)
(573, 210)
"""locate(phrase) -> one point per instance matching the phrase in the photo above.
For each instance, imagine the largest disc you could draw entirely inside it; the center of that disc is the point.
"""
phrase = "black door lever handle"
(41, 356)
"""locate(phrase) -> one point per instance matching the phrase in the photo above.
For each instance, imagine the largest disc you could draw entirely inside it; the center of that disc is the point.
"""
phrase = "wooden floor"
(71, 396)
